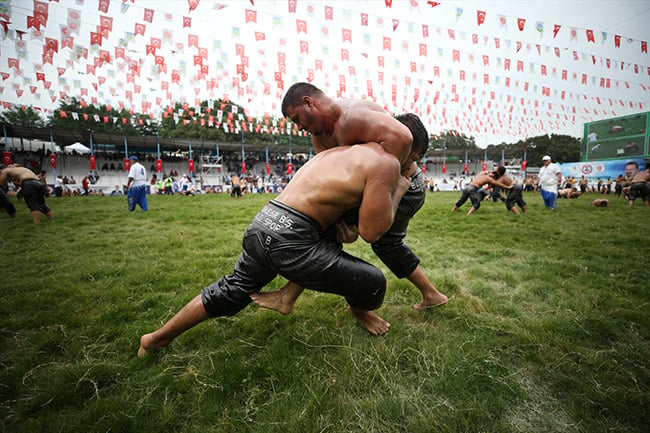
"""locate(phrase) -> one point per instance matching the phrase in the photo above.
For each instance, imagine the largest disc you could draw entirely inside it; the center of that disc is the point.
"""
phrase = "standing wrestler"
(235, 186)
(294, 236)
(515, 195)
(390, 248)
(338, 122)
(472, 191)
(31, 189)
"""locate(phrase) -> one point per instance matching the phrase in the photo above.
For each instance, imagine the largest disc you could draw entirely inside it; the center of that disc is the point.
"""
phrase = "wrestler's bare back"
(334, 180)
(363, 121)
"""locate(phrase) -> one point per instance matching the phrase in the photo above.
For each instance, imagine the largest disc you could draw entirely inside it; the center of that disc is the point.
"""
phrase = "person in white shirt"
(137, 185)
(550, 176)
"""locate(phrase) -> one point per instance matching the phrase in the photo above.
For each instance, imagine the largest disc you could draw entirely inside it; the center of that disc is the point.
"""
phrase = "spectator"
(137, 184)
(550, 176)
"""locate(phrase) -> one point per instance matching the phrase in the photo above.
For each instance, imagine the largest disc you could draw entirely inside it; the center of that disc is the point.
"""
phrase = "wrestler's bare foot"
(276, 300)
(372, 322)
(149, 343)
(434, 300)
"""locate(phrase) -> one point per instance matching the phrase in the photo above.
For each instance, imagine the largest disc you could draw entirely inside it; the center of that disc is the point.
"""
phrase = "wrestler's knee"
(222, 299)
(369, 294)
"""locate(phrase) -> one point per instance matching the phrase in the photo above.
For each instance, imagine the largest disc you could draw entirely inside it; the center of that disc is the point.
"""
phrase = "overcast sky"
(489, 80)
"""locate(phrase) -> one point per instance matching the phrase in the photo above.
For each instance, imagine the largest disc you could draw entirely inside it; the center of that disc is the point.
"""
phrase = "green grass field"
(547, 328)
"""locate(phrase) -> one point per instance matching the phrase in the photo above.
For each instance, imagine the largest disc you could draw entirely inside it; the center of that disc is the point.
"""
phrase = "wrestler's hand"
(346, 233)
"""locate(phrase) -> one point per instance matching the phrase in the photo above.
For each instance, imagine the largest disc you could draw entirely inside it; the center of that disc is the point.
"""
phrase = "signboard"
(620, 137)
(593, 170)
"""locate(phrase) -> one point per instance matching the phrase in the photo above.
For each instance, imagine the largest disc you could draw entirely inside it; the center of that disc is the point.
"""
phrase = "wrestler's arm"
(382, 193)
(364, 126)
(500, 184)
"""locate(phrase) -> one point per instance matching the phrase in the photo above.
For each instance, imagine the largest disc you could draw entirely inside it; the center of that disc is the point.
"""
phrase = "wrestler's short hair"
(294, 95)
(418, 131)
(634, 163)
(501, 170)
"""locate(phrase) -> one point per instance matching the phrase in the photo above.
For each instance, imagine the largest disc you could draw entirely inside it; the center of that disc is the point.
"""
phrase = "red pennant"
(103, 5)
(521, 22)
(480, 17)
(192, 4)
(556, 29)
(53, 160)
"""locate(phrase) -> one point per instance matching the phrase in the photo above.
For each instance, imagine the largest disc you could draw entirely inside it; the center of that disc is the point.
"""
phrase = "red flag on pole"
(159, 165)
(290, 168)
(127, 164)
(243, 167)
(444, 168)
(268, 168)
(190, 164)
(93, 162)
(6, 158)
(53, 160)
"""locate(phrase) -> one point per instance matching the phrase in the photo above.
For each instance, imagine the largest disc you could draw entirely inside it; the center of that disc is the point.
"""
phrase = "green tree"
(23, 116)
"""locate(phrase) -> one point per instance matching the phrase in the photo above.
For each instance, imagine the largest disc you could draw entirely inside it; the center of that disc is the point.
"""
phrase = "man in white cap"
(137, 185)
(550, 176)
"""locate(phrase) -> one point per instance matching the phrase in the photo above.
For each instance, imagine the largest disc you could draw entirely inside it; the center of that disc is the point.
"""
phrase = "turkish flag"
(190, 164)
(290, 168)
(93, 162)
(480, 17)
(424, 168)
(159, 165)
(484, 166)
(243, 167)
(465, 168)
(127, 164)
(521, 22)
(268, 168)
(444, 168)
(6, 158)
(53, 160)
(523, 164)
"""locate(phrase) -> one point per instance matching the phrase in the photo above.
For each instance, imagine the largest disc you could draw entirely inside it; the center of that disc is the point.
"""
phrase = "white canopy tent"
(77, 147)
